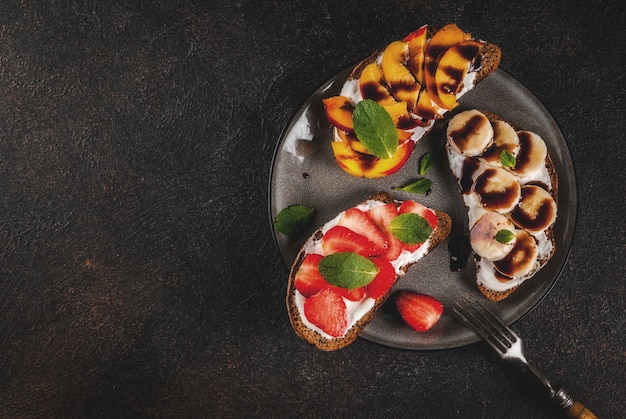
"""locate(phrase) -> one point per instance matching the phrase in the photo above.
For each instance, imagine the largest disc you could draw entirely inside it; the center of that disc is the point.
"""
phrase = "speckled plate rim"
(303, 171)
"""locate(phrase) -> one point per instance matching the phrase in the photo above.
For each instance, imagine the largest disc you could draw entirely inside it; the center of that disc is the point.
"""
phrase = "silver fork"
(508, 345)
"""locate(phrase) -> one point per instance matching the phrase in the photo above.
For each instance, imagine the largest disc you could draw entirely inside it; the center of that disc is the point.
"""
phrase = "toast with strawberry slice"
(345, 271)
(393, 97)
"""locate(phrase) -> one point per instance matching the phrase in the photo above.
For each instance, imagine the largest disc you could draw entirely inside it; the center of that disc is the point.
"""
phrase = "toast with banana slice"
(345, 270)
(415, 82)
(510, 188)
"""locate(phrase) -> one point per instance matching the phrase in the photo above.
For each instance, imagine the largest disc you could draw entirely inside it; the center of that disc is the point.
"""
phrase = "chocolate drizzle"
(544, 213)
(500, 198)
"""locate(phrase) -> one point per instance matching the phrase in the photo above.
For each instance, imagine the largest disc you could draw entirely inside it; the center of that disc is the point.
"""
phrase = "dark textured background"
(138, 273)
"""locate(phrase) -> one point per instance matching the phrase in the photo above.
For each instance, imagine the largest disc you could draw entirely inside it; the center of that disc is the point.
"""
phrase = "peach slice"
(397, 110)
(443, 39)
(417, 47)
(452, 69)
(426, 108)
(403, 136)
(339, 112)
(401, 82)
(350, 139)
(369, 166)
(372, 85)
(401, 117)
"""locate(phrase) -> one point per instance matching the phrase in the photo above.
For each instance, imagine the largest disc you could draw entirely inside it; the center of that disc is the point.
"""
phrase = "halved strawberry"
(342, 239)
(412, 207)
(328, 311)
(360, 222)
(384, 279)
(382, 216)
(419, 311)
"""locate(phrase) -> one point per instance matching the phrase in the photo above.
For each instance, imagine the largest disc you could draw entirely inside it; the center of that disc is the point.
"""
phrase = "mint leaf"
(504, 236)
(375, 129)
(426, 162)
(420, 186)
(347, 270)
(410, 228)
(507, 159)
(293, 218)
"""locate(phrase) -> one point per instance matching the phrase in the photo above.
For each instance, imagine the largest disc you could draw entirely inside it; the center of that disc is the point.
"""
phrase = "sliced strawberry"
(419, 311)
(309, 280)
(328, 311)
(419, 209)
(361, 223)
(342, 239)
(412, 207)
(355, 294)
(383, 215)
(384, 279)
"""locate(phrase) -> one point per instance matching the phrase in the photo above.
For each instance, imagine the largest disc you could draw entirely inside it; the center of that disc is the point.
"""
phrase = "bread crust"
(440, 233)
(490, 56)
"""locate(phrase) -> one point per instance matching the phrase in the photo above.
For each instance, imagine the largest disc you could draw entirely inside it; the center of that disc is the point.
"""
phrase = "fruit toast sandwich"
(345, 270)
(509, 186)
(393, 98)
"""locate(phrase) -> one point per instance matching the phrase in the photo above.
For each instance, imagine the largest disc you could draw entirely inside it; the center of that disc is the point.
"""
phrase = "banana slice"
(521, 260)
(497, 190)
(532, 154)
(470, 133)
(483, 236)
(504, 138)
(536, 209)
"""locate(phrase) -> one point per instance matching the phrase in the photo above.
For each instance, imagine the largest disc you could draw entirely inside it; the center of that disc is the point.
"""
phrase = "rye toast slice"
(499, 295)
(439, 234)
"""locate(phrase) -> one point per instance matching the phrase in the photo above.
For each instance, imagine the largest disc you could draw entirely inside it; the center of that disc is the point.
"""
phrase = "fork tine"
(464, 314)
(487, 325)
(478, 325)
(496, 323)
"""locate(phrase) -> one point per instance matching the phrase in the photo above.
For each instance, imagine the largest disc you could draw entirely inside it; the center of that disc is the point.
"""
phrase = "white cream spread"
(300, 131)
(356, 309)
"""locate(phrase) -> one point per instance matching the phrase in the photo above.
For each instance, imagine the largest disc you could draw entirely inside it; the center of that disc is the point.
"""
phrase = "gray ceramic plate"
(305, 172)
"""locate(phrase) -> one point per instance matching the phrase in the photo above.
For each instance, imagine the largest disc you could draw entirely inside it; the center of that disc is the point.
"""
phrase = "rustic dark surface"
(139, 277)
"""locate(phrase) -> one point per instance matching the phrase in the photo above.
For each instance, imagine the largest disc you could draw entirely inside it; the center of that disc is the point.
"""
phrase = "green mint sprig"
(292, 219)
(425, 163)
(507, 159)
(504, 236)
(420, 187)
(375, 129)
(410, 228)
(347, 270)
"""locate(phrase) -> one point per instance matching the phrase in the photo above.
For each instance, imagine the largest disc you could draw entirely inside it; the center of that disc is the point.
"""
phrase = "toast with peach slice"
(345, 271)
(416, 80)
(509, 186)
